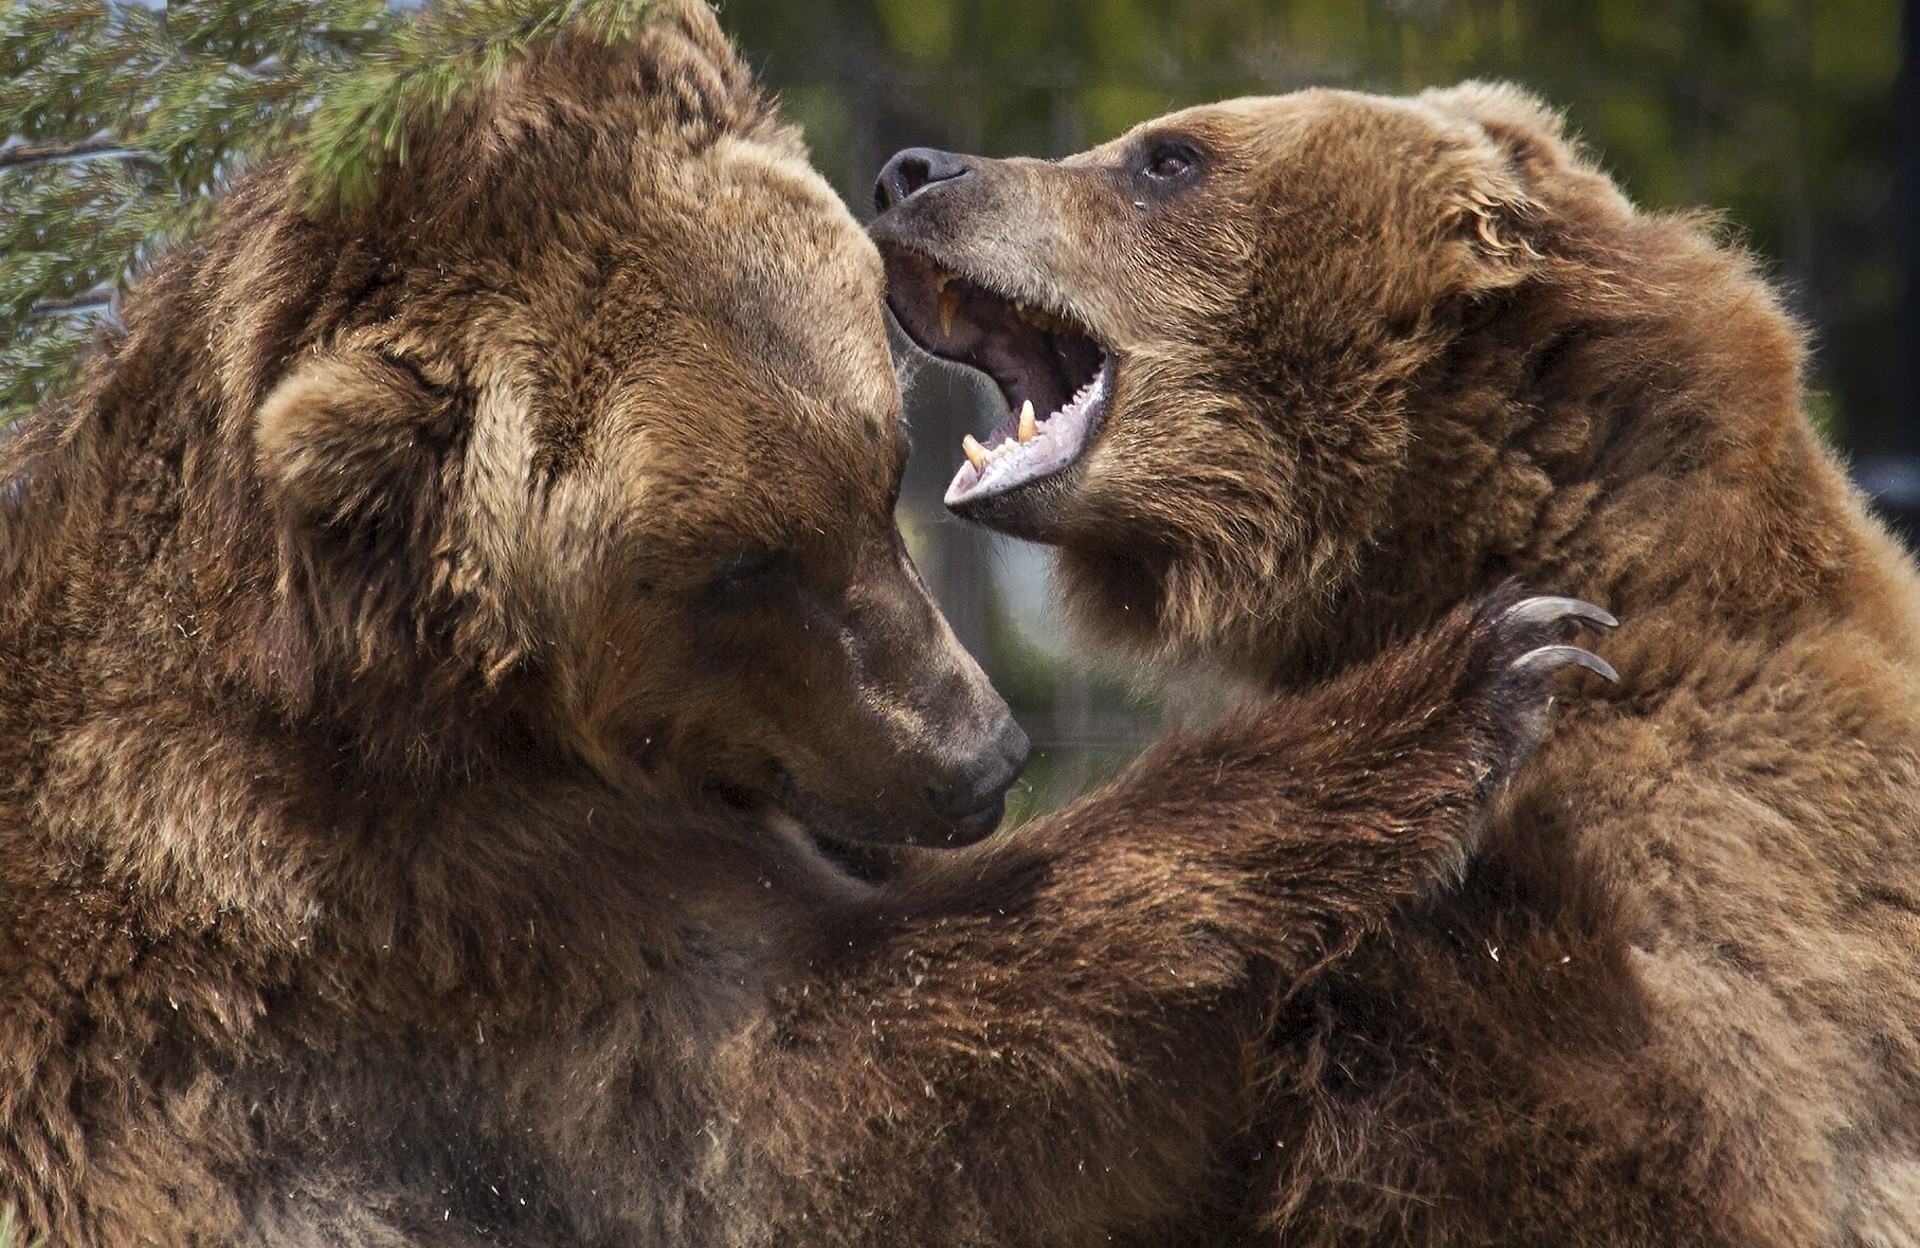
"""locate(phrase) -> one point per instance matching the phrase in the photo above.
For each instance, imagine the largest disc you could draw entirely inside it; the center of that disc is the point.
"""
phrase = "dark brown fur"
(417, 641)
(1375, 356)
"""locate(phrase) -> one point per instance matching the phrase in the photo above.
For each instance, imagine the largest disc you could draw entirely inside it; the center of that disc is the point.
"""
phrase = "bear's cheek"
(768, 676)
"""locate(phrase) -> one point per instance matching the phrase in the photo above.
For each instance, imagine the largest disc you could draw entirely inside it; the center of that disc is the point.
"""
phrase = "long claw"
(1549, 659)
(1546, 609)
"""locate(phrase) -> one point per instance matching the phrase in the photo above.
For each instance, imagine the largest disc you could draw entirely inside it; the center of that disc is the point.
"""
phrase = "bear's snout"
(975, 798)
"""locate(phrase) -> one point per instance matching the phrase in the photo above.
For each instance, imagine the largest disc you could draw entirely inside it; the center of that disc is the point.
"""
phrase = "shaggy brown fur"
(1372, 356)
(410, 638)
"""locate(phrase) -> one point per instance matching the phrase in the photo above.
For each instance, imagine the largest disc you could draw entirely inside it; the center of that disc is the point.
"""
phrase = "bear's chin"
(847, 826)
(833, 823)
(1031, 511)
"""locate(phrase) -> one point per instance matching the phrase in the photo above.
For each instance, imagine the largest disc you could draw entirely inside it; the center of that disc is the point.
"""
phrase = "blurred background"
(1792, 117)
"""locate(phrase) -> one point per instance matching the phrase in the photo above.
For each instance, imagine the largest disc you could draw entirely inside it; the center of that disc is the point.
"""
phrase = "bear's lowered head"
(574, 444)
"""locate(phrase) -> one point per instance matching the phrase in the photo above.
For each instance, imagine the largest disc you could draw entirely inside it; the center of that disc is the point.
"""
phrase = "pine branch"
(124, 121)
(39, 360)
(361, 124)
(51, 150)
(99, 299)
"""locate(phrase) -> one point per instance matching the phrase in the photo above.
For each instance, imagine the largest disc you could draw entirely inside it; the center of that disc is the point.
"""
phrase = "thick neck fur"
(1643, 448)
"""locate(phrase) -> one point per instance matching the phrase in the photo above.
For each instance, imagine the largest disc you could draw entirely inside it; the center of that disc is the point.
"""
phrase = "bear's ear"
(351, 441)
(1514, 136)
(1521, 125)
(355, 451)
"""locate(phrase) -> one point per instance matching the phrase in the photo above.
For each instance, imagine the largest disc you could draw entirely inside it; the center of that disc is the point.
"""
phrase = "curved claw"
(1549, 659)
(1546, 609)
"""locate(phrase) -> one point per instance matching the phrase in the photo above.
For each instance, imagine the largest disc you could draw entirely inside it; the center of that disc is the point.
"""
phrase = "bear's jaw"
(1056, 377)
(1029, 449)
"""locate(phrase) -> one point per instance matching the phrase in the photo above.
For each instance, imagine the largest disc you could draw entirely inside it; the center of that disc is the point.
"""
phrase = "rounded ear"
(354, 451)
(1517, 122)
(1516, 137)
(352, 440)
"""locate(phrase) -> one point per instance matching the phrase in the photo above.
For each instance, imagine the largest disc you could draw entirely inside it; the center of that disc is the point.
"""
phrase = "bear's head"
(577, 443)
(1240, 328)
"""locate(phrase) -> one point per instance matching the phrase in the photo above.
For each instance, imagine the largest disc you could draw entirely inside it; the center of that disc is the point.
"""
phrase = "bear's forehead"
(687, 312)
(789, 286)
(1272, 125)
(754, 458)
(737, 273)
(771, 224)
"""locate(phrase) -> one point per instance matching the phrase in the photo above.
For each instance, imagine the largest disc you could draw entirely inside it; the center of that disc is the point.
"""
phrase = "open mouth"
(1056, 377)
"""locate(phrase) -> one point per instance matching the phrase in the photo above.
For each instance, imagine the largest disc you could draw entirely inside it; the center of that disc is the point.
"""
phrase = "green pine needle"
(126, 120)
(362, 121)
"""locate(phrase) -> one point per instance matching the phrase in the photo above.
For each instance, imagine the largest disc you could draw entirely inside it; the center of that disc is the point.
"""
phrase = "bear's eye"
(752, 572)
(1170, 161)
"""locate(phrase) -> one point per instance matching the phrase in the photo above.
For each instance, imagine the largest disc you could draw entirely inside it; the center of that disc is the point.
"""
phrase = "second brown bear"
(1308, 371)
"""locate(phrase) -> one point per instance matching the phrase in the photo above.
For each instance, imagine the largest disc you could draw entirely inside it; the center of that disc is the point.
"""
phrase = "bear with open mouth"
(1285, 378)
(453, 648)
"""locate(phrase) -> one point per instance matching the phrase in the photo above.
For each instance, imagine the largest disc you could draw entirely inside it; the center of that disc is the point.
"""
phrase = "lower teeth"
(1027, 427)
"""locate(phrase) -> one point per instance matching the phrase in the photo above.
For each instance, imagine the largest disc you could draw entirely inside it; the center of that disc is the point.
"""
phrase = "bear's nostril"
(913, 171)
(909, 175)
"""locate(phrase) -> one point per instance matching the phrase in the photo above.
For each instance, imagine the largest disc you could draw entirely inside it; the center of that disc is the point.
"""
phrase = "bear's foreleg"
(1048, 1039)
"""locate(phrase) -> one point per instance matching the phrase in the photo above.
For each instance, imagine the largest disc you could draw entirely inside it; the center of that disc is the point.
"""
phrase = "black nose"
(913, 171)
(977, 797)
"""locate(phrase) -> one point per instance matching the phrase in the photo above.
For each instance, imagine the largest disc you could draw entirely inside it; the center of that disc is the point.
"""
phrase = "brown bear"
(1308, 371)
(453, 651)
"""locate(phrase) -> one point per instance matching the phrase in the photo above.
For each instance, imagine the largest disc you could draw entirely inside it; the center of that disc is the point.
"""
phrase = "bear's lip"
(832, 823)
(1042, 357)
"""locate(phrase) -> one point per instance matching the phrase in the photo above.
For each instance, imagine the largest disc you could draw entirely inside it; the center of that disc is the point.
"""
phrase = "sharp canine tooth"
(949, 304)
(976, 454)
(1029, 427)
